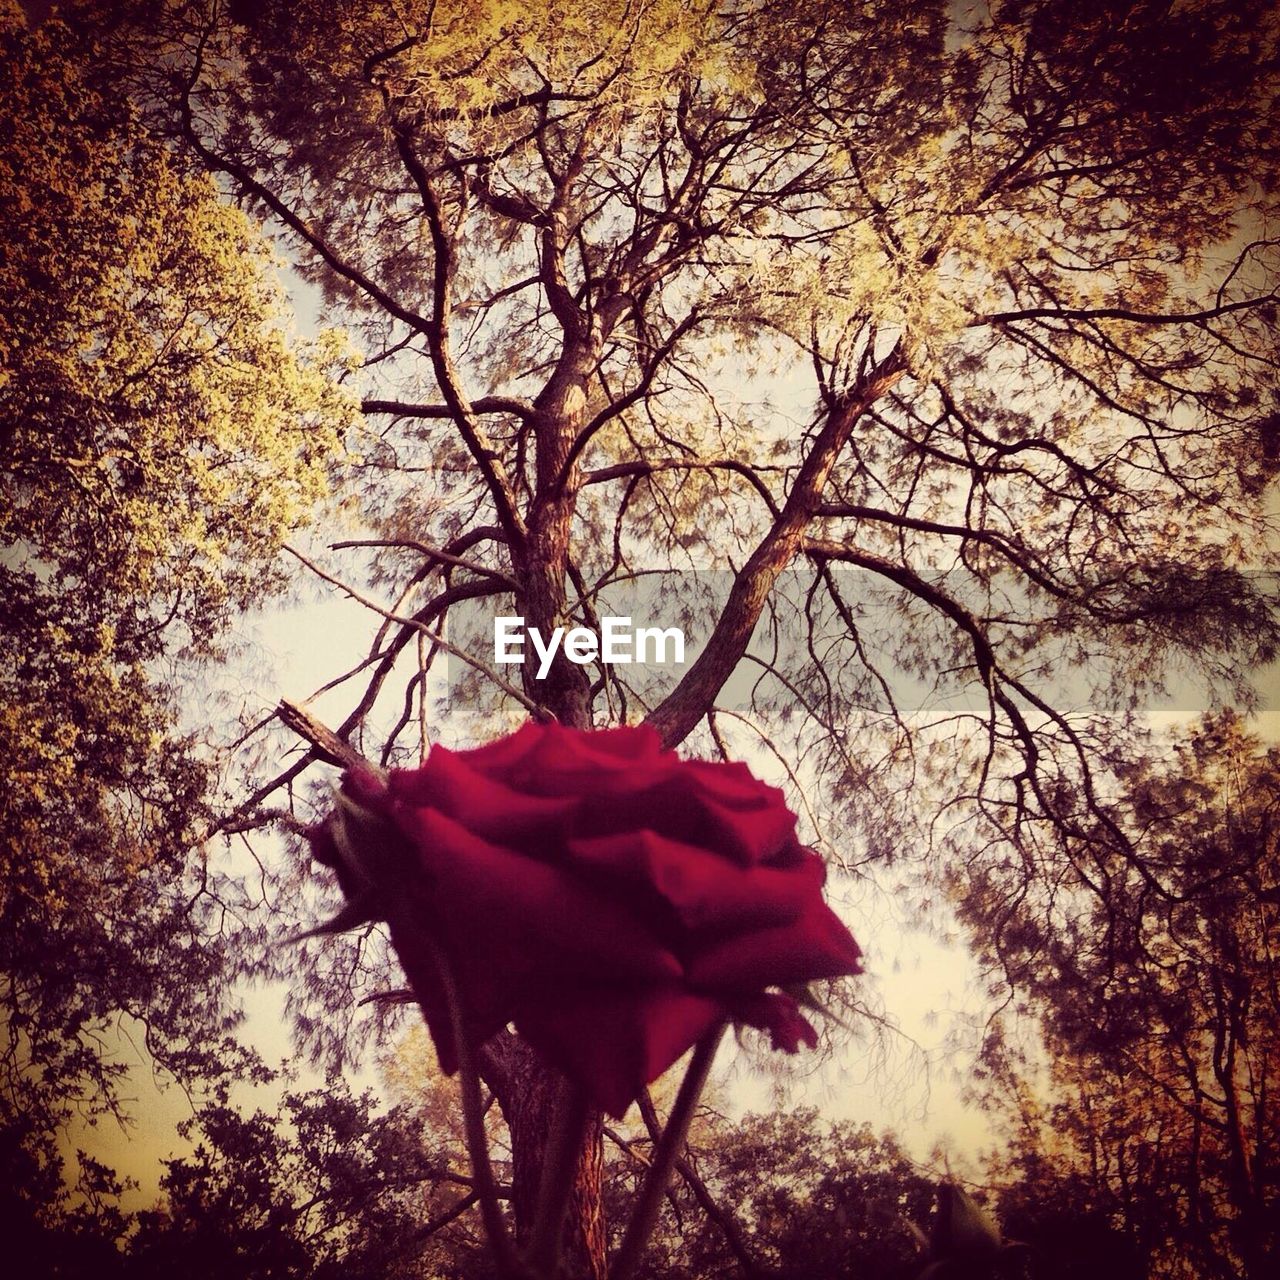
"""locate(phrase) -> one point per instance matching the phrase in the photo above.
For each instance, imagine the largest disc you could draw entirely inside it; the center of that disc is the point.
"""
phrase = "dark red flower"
(612, 900)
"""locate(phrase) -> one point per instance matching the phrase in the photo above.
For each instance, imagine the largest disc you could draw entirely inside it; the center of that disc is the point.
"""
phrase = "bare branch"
(484, 405)
(687, 703)
(325, 744)
(413, 625)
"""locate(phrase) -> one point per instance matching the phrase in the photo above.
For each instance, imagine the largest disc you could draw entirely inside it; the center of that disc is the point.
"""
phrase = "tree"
(57, 1225)
(159, 436)
(1009, 273)
(1159, 995)
(809, 1199)
(324, 1187)
(328, 1186)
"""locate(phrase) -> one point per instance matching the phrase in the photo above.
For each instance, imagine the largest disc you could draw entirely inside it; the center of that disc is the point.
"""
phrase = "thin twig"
(654, 1188)
(434, 636)
(473, 1119)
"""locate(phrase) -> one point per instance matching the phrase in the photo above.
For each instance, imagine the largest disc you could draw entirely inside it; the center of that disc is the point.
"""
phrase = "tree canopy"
(1160, 1000)
(161, 433)
(945, 336)
(1013, 275)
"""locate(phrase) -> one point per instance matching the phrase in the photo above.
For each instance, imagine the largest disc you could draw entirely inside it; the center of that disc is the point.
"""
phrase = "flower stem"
(569, 1122)
(654, 1187)
(473, 1123)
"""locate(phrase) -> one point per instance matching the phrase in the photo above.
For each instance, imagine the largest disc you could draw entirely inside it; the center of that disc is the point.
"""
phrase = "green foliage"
(329, 1186)
(978, 302)
(56, 1229)
(1158, 980)
(325, 1187)
(669, 242)
(159, 435)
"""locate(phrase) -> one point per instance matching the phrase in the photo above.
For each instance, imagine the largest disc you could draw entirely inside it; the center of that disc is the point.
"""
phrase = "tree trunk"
(526, 1091)
(525, 1088)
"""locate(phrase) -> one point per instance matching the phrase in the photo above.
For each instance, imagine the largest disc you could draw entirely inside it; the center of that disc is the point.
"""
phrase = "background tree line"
(980, 305)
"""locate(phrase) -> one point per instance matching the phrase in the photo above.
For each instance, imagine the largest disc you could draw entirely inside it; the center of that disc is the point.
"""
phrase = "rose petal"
(732, 781)
(569, 762)
(815, 946)
(699, 808)
(779, 1015)
(499, 757)
(484, 805)
(527, 921)
(615, 1041)
(682, 809)
(705, 891)
(628, 743)
(747, 818)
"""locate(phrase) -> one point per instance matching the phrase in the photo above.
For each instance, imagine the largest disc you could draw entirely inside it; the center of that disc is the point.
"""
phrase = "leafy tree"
(55, 1224)
(1160, 999)
(328, 1186)
(325, 1187)
(978, 306)
(806, 1198)
(159, 435)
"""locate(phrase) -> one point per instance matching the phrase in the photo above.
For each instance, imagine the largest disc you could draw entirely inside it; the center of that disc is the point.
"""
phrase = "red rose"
(612, 900)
